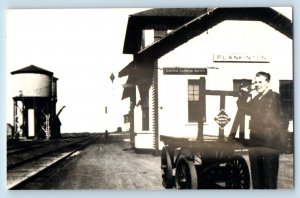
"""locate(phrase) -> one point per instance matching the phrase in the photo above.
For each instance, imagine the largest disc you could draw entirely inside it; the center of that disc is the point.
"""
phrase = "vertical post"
(131, 116)
(202, 90)
(239, 121)
(158, 34)
(14, 131)
(110, 105)
(50, 109)
(31, 123)
(242, 128)
(155, 109)
(222, 106)
(25, 120)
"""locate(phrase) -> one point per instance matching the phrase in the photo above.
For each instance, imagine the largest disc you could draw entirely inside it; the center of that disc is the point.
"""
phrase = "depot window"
(193, 101)
(286, 90)
(145, 118)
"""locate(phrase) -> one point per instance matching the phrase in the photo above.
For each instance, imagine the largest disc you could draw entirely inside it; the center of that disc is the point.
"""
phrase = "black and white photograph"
(150, 98)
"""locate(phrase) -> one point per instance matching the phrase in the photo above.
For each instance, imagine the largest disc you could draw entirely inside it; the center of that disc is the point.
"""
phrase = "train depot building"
(188, 65)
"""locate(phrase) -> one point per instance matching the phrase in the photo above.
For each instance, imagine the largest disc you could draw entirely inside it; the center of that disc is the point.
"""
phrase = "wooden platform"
(207, 143)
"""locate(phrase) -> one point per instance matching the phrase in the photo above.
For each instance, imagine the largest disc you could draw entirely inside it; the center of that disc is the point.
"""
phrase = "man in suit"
(265, 131)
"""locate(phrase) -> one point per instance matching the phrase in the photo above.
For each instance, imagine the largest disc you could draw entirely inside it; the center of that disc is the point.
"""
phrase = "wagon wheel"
(166, 169)
(186, 174)
(237, 173)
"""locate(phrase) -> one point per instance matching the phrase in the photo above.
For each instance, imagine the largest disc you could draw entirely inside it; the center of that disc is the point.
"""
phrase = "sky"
(82, 47)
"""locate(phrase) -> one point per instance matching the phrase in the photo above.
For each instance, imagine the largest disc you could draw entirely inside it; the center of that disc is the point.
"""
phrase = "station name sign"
(239, 57)
(184, 71)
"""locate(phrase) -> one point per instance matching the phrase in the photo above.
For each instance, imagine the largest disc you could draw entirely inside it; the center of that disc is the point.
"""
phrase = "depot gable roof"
(158, 18)
(207, 20)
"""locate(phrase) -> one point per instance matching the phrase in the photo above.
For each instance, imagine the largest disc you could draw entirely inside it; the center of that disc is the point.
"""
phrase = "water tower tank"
(32, 81)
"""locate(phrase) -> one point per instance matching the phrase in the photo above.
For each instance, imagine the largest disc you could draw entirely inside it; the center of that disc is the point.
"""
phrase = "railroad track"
(27, 163)
(29, 146)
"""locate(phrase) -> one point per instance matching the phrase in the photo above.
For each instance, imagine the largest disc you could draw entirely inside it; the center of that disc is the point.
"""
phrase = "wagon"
(207, 162)
(203, 164)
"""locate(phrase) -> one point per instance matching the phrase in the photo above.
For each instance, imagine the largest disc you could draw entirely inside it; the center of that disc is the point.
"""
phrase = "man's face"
(261, 84)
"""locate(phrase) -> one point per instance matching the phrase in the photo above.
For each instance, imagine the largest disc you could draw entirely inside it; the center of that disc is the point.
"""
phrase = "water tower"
(35, 97)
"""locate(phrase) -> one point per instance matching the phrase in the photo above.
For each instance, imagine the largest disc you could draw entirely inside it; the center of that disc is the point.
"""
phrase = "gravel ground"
(108, 165)
(111, 164)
